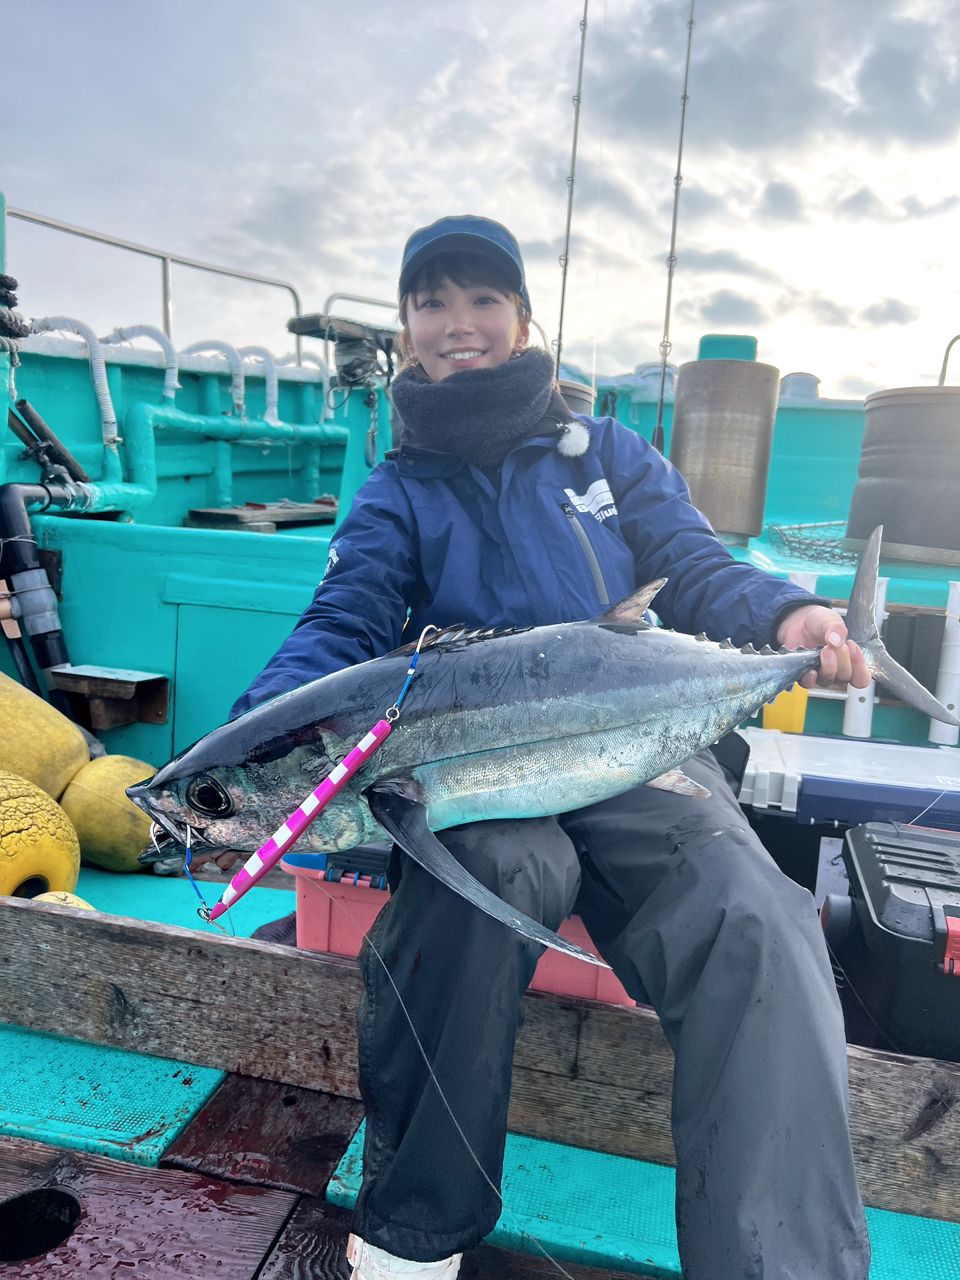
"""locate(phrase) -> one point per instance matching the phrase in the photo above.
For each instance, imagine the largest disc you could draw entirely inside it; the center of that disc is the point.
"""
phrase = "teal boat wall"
(138, 590)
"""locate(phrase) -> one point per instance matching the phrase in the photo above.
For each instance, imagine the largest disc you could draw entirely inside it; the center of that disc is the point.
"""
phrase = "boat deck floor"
(112, 1162)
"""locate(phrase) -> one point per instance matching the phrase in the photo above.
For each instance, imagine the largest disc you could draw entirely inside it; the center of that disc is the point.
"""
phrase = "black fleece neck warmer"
(479, 414)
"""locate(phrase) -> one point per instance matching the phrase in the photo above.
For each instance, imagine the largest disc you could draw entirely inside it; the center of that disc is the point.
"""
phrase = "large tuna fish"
(510, 724)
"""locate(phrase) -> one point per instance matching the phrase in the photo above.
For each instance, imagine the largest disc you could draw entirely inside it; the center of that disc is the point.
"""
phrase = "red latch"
(951, 953)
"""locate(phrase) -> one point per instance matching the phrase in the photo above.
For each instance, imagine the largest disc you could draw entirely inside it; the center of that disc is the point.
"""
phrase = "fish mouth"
(170, 841)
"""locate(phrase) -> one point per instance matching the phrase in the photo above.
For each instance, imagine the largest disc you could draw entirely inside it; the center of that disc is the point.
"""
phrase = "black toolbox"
(895, 941)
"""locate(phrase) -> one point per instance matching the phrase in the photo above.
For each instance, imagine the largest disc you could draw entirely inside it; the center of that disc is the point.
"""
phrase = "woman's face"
(454, 327)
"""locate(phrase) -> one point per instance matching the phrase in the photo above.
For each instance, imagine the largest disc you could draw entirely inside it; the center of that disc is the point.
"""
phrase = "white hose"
(270, 413)
(131, 331)
(236, 367)
(98, 370)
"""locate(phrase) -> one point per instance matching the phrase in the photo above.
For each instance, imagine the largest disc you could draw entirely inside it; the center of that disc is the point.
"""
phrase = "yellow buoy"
(39, 849)
(61, 899)
(37, 742)
(112, 831)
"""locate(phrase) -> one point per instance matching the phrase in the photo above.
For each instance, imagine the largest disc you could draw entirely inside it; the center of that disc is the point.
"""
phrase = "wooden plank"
(313, 1244)
(244, 1006)
(591, 1075)
(268, 1134)
(160, 1223)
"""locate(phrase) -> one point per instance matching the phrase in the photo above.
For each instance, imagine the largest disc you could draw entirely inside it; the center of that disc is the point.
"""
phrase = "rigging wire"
(665, 343)
(571, 182)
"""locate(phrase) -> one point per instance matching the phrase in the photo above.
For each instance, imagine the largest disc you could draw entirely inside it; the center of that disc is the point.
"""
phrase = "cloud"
(725, 306)
(778, 75)
(863, 203)
(856, 387)
(781, 202)
(826, 311)
(697, 202)
(913, 207)
(722, 260)
(907, 84)
(890, 311)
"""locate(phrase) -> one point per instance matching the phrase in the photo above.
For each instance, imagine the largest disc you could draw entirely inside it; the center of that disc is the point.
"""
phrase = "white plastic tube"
(98, 370)
(858, 708)
(948, 674)
(270, 413)
(131, 331)
(236, 367)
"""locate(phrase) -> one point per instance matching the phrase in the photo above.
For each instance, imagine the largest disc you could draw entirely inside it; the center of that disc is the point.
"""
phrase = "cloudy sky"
(306, 138)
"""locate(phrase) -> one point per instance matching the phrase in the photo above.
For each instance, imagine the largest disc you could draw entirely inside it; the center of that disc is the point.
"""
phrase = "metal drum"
(910, 468)
(577, 396)
(722, 437)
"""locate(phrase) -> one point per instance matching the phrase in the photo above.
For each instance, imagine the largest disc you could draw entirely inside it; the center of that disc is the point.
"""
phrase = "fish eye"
(206, 795)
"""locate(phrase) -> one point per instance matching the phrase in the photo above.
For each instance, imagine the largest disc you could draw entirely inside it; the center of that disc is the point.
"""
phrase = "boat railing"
(167, 261)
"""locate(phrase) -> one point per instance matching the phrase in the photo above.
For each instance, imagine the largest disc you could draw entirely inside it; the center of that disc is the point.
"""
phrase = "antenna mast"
(571, 177)
(665, 344)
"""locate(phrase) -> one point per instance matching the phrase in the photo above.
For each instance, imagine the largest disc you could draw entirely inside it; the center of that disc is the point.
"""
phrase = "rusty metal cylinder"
(722, 437)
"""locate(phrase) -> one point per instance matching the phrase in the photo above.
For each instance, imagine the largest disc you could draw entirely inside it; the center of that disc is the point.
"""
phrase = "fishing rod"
(665, 343)
(571, 180)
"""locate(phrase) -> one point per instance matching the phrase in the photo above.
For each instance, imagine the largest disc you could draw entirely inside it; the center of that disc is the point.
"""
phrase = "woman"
(500, 508)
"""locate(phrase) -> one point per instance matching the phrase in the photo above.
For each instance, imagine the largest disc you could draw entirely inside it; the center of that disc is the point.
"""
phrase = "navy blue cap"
(464, 233)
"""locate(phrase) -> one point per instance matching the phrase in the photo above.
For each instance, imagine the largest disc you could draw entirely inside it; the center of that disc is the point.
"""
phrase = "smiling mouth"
(463, 355)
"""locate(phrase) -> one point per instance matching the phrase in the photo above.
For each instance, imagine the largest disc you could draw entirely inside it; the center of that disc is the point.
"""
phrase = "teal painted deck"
(88, 1097)
(608, 1211)
(170, 900)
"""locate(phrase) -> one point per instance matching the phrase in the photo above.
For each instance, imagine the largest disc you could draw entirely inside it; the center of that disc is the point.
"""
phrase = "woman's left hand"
(814, 626)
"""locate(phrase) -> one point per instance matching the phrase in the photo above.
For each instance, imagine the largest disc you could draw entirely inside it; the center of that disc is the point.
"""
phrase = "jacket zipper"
(588, 552)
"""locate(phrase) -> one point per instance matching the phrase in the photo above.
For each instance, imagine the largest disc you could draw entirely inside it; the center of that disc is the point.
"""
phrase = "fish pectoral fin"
(633, 608)
(677, 781)
(404, 818)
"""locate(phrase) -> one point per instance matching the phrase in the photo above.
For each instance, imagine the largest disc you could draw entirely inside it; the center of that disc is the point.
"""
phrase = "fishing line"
(935, 800)
(341, 906)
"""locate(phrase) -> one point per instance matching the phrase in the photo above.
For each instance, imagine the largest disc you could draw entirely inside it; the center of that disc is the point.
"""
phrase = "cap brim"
(460, 242)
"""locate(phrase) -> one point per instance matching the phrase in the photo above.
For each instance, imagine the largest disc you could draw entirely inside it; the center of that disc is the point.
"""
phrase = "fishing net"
(825, 542)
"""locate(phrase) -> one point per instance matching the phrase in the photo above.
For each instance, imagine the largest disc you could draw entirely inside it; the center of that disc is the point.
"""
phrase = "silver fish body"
(511, 725)
(514, 724)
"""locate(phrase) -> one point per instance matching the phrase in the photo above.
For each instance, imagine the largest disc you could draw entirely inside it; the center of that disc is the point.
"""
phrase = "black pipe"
(21, 660)
(18, 557)
(48, 440)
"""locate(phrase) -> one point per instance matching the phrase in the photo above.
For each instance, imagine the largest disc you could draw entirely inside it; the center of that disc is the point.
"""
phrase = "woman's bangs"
(467, 270)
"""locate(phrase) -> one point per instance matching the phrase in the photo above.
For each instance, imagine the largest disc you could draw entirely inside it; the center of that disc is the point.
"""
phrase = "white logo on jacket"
(597, 501)
(332, 558)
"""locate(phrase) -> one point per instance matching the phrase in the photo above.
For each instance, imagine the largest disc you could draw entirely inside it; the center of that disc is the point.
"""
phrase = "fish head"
(201, 803)
(236, 786)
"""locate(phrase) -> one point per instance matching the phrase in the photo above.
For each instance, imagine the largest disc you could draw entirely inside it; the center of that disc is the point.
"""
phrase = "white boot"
(371, 1263)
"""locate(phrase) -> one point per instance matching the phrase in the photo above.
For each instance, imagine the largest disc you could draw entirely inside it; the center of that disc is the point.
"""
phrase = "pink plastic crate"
(333, 916)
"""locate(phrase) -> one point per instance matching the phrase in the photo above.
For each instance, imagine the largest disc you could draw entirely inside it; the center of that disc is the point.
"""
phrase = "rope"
(13, 327)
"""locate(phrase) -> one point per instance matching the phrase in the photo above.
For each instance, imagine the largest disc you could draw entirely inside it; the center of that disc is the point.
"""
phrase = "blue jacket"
(549, 538)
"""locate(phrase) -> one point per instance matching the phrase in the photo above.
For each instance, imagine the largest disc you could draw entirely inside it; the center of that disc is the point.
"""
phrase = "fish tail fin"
(862, 627)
